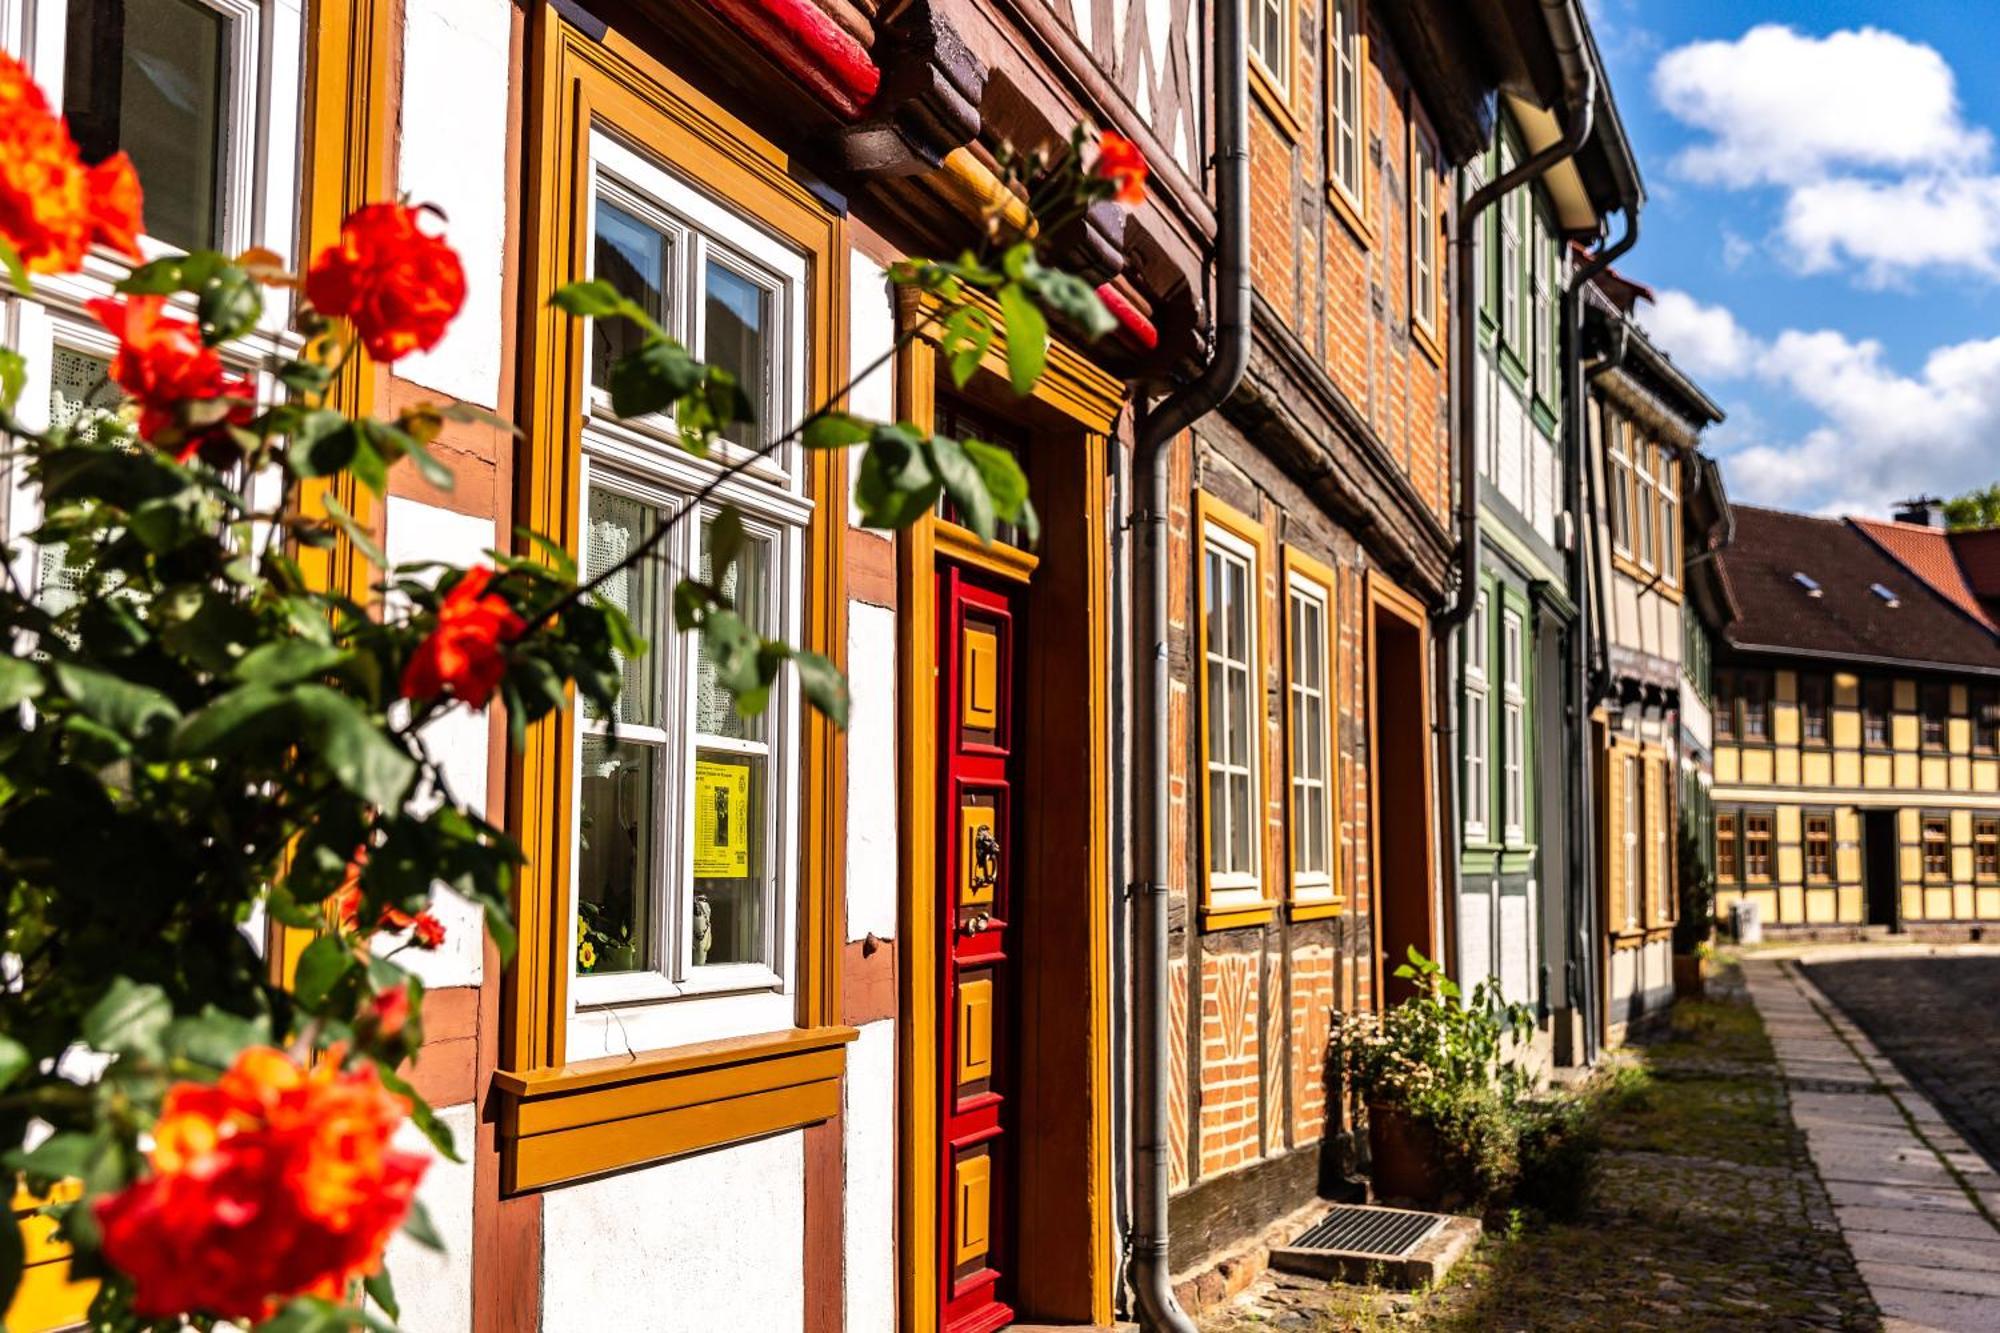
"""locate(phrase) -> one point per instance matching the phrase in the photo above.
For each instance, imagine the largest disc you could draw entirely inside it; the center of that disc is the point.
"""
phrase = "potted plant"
(1695, 923)
(1438, 1091)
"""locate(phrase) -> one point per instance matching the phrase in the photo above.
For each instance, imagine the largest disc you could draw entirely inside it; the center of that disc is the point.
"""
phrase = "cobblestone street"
(1708, 1215)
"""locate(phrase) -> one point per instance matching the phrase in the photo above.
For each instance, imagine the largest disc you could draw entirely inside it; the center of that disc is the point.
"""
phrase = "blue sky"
(1823, 228)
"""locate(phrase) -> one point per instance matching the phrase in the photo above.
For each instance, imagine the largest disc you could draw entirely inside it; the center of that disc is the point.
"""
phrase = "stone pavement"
(1917, 1207)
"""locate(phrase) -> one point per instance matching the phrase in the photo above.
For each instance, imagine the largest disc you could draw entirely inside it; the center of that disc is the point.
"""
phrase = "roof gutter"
(1149, 1272)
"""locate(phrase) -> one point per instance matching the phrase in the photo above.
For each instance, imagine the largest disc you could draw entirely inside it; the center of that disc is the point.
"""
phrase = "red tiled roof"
(1847, 618)
(1932, 555)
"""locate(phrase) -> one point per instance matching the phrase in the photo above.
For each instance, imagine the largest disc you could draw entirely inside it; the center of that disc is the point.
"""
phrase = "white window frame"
(1513, 733)
(677, 1002)
(1423, 227)
(1279, 69)
(1622, 518)
(1478, 724)
(1346, 104)
(1509, 256)
(1312, 883)
(1669, 538)
(1630, 801)
(1646, 507)
(1232, 881)
(1545, 315)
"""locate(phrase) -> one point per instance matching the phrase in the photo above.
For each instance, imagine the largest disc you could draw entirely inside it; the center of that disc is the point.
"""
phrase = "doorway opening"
(1878, 868)
(1399, 754)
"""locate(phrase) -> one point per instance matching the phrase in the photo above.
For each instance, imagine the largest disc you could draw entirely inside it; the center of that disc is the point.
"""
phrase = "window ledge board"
(1349, 212)
(1273, 100)
(1427, 342)
(595, 1116)
(1316, 911)
(1245, 914)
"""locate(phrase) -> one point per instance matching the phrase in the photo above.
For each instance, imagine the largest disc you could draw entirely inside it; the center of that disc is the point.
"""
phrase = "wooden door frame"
(1078, 393)
(1385, 597)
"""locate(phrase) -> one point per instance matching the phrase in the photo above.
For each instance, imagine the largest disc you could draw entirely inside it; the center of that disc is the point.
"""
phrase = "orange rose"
(396, 285)
(389, 1012)
(52, 207)
(463, 655)
(1120, 162)
(273, 1183)
(427, 930)
(163, 365)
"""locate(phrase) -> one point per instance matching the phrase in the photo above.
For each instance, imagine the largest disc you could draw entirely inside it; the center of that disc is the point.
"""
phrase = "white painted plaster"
(1475, 938)
(700, 1244)
(458, 739)
(435, 1290)
(871, 334)
(454, 155)
(869, 1125)
(1517, 946)
(871, 772)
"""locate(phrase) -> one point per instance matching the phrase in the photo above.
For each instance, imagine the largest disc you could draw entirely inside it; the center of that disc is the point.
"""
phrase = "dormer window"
(1810, 584)
(1887, 595)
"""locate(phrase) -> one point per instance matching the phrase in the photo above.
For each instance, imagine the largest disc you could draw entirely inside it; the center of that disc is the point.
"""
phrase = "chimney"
(1926, 511)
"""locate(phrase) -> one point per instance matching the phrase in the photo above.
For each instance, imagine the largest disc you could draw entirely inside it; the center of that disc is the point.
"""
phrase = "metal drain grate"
(1352, 1229)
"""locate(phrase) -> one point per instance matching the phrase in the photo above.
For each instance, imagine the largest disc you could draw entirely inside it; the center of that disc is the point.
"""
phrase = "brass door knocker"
(985, 859)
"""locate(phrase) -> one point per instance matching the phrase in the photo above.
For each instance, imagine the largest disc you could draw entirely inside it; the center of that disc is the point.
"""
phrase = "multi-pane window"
(1753, 704)
(1643, 454)
(1725, 705)
(1984, 706)
(686, 837)
(1310, 695)
(1986, 847)
(1819, 845)
(1478, 724)
(1347, 56)
(1937, 847)
(1545, 314)
(1659, 853)
(1934, 701)
(1813, 698)
(1512, 210)
(1629, 815)
(1877, 700)
(1513, 737)
(1757, 846)
(1670, 517)
(1271, 42)
(1425, 281)
(1229, 648)
(1620, 431)
(1728, 866)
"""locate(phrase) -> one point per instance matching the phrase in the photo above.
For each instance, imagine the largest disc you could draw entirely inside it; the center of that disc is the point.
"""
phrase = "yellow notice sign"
(721, 820)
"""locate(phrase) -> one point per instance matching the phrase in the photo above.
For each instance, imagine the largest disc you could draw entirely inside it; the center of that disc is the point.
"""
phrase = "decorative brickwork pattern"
(1229, 1058)
(1313, 1000)
(1177, 1075)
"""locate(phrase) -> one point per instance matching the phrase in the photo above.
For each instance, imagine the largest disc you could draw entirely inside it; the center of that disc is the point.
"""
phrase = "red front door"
(978, 648)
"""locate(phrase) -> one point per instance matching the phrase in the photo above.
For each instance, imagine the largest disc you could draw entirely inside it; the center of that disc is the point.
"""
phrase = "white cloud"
(1782, 107)
(1863, 132)
(1879, 434)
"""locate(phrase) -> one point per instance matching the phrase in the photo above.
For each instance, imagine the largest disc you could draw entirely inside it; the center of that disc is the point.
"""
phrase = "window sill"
(1236, 915)
(1316, 911)
(584, 1119)
(1427, 343)
(1349, 212)
(1266, 91)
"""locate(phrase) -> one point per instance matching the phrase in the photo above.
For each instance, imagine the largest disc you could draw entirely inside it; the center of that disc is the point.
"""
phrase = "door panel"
(977, 751)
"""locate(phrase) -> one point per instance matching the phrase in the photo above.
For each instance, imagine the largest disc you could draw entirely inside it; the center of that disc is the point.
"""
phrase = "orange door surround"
(977, 628)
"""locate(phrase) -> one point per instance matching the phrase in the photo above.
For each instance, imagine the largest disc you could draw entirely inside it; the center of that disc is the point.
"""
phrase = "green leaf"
(964, 484)
(596, 299)
(896, 484)
(124, 706)
(823, 686)
(383, 1292)
(321, 966)
(1027, 338)
(19, 682)
(1071, 297)
(464, 411)
(284, 661)
(227, 302)
(1006, 483)
(129, 1019)
(162, 277)
(13, 375)
(653, 378)
(560, 560)
(323, 443)
(14, 1060)
(422, 1116)
(431, 466)
(355, 748)
(215, 1038)
(834, 430)
(725, 544)
(17, 278)
(314, 1314)
(355, 532)
(963, 340)
(419, 1228)
(233, 721)
(59, 1157)
(13, 1250)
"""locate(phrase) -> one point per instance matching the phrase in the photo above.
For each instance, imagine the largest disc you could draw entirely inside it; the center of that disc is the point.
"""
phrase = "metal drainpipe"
(1151, 758)
(1585, 675)
(1580, 109)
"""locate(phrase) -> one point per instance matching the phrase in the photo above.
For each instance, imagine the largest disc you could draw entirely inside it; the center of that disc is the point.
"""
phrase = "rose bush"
(203, 739)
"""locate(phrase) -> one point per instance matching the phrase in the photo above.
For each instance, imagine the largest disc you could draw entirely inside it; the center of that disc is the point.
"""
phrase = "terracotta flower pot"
(1403, 1153)
(1690, 976)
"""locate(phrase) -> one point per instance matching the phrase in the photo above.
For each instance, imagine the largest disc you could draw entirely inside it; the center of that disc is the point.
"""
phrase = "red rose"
(463, 655)
(1120, 162)
(163, 365)
(51, 206)
(428, 931)
(396, 285)
(389, 1012)
(273, 1183)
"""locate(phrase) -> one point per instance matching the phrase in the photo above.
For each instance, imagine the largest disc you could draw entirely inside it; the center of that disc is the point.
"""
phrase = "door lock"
(979, 923)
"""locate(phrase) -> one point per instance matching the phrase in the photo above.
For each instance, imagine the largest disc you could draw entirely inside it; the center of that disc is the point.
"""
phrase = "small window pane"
(146, 76)
(617, 525)
(81, 394)
(632, 256)
(736, 337)
(728, 913)
(616, 856)
(746, 588)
